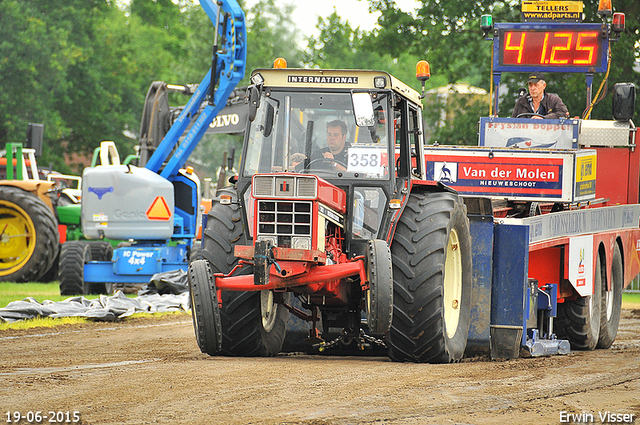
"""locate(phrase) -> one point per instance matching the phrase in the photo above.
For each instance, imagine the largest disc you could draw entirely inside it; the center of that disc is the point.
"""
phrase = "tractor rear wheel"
(73, 256)
(204, 307)
(612, 302)
(579, 320)
(253, 323)
(28, 236)
(431, 253)
(379, 297)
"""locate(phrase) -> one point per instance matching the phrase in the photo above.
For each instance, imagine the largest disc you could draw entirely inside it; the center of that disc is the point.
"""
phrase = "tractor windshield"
(316, 133)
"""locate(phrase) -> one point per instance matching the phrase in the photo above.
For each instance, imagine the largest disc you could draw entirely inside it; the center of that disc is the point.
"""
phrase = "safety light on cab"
(280, 63)
(423, 73)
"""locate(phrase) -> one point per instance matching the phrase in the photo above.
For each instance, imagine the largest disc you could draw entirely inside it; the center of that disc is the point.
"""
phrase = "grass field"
(10, 291)
(631, 300)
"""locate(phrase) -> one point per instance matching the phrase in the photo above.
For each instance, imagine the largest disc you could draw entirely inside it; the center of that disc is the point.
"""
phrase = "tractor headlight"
(298, 242)
(273, 240)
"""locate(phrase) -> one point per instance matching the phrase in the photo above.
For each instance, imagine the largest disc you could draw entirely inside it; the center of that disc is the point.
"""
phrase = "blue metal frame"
(548, 26)
(231, 63)
(481, 229)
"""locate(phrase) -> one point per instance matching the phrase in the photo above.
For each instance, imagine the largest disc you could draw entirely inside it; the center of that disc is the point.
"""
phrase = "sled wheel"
(611, 302)
(579, 320)
(204, 307)
(379, 297)
(253, 323)
(431, 253)
(73, 256)
(28, 236)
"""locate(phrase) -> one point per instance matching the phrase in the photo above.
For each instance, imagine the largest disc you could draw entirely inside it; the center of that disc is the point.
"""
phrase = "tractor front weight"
(299, 270)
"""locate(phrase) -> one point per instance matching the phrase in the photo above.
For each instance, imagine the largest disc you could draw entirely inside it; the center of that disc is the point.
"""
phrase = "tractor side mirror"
(363, 109)
(268, 120)
(254, 101)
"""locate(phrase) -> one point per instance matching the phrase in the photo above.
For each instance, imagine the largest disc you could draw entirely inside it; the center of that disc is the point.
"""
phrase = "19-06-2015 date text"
(37, 417)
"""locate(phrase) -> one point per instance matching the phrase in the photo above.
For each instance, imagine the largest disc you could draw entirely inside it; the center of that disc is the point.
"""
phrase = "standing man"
(538, 101)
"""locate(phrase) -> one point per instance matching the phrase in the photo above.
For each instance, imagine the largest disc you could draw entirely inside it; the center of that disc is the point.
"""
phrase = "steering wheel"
(335, 161)
(529, 114)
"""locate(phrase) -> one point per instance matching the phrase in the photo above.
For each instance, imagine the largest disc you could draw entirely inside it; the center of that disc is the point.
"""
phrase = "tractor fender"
(37, 187)
(414, 186)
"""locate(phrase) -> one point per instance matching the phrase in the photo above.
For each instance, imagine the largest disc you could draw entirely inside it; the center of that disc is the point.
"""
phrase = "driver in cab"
(337, 144)
(334, 155)
(538, 103)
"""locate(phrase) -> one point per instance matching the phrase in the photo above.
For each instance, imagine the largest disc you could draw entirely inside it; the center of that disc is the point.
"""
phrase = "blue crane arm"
(228, 69)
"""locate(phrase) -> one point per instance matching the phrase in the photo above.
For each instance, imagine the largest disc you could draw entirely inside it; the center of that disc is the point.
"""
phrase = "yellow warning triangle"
(159, 210)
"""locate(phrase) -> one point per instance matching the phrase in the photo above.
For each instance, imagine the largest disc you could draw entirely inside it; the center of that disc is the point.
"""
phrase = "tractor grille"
(285, 187)
(284, 222)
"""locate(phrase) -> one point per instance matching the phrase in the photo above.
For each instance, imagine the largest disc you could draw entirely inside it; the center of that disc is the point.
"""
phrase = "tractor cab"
(329, 127)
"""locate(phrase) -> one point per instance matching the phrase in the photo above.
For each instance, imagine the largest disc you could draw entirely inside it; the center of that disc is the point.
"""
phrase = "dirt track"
(151, 371)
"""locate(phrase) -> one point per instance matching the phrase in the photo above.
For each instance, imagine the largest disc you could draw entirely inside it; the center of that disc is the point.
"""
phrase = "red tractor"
(331, 207)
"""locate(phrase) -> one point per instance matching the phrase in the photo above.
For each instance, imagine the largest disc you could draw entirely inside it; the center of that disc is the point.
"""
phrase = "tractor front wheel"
(253, 323)
(204, 307)
(431, 253)
(379, 297)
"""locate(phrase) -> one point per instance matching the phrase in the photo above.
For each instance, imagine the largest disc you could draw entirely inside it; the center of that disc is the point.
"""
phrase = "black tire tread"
(204, 307)
(242, 331)
(100, 251)
(418, 251)
(73, 256)
(609, 328)
(380, 270)
(47, 237)
(573, 322)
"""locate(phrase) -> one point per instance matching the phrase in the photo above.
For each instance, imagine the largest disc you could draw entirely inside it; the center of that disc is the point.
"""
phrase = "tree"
(41, 41)
(82, 68)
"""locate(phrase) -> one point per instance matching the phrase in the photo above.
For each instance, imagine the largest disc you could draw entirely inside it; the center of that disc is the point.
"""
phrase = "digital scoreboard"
(558, 47)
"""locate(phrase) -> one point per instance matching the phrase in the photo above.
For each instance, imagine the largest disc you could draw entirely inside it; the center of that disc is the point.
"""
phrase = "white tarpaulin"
(103, 308)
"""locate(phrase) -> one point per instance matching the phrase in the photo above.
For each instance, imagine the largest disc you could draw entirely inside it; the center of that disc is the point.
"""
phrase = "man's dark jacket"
(551, 106)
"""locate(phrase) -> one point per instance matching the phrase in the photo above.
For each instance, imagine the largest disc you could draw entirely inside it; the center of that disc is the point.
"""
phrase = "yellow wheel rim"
(17, 238)
(452, 284)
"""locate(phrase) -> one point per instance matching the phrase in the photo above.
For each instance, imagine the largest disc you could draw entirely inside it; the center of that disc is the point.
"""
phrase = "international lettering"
(305, 79)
